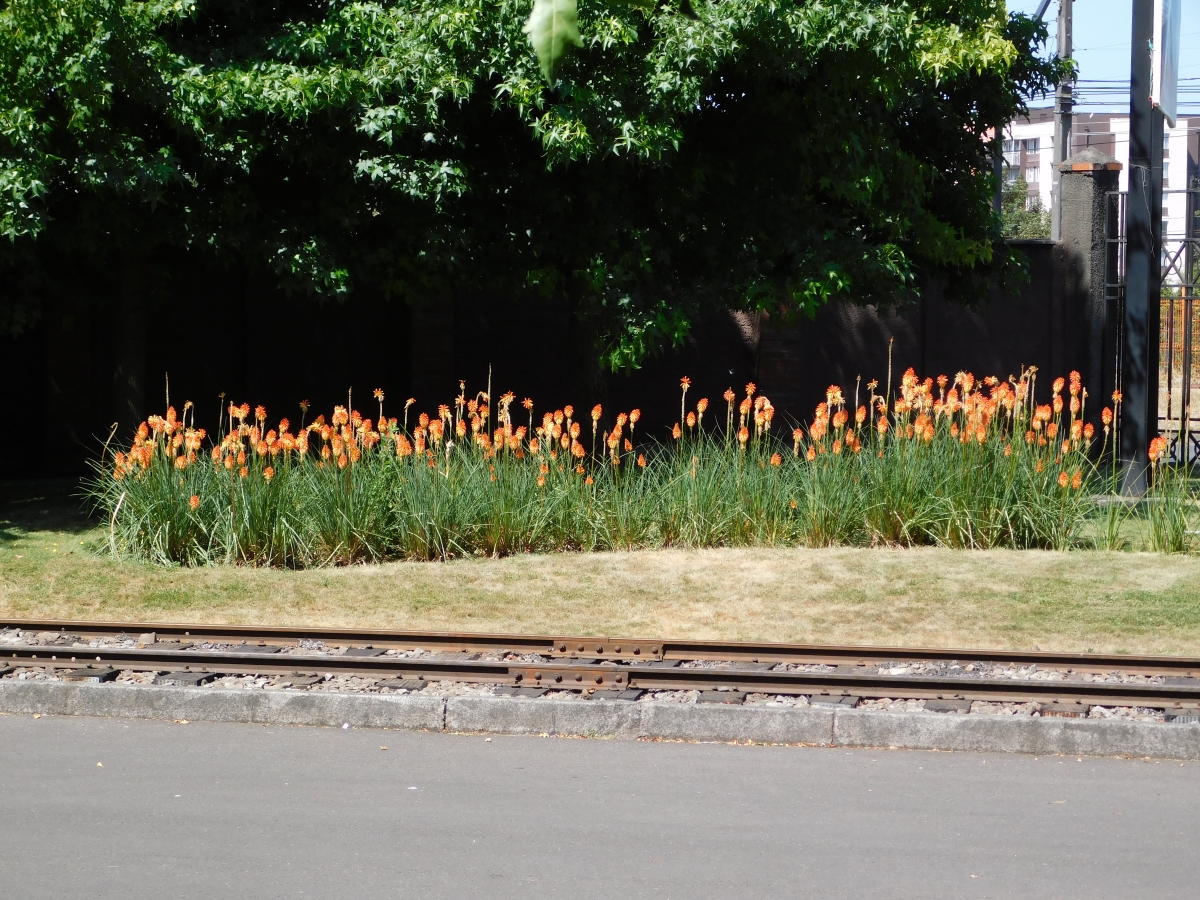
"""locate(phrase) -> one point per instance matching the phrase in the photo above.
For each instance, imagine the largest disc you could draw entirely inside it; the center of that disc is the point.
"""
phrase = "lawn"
(1077, 600)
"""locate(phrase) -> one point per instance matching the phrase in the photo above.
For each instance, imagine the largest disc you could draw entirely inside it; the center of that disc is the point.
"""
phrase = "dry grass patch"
(1081, 600)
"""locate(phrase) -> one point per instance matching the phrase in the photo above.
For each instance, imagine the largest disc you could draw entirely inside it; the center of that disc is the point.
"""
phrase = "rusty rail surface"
(607, 664)
(598, 647)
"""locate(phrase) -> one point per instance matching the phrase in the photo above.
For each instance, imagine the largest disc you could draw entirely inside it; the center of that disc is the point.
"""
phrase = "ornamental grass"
(955, 462)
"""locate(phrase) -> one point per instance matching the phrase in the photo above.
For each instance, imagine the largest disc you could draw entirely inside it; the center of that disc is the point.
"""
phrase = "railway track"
(600, 666)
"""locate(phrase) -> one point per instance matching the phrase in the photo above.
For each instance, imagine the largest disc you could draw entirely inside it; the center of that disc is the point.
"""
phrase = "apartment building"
(1029, 155)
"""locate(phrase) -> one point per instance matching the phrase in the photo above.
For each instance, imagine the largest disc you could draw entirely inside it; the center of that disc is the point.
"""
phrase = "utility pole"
(1063, 104)
(1143, 276)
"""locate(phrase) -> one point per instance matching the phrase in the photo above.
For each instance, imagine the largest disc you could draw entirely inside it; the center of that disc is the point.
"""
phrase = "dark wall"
(937, 336)
(220, 331)
(223, 331)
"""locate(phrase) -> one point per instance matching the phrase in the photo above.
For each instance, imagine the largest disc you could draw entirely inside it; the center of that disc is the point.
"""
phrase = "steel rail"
(599, 647)
(565, 675)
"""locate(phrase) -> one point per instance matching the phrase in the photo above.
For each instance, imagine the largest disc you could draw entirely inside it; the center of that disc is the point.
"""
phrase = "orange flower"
(691, 420)
(685, 383)
(1117, 397)
(641, 460)
(750, 389)
(1158, 449)
(568, 411)
(1076, 480)
(268, 473)
(194, 502)
(1106, 416)
(882, 425)
(588, 480)
(1088, 431)
(1059, 383)
(541, 481)
(860, 415)
(1063, 478)
(728, 395)
(628, 445)
(596, 413)
(743, 434)
(776, 459)
(676, 432)
(243, 471)
(811, 454)
(702, 405)
(634, 415)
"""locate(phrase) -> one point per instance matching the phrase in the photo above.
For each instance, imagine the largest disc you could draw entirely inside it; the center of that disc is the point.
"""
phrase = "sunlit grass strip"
(960, 463)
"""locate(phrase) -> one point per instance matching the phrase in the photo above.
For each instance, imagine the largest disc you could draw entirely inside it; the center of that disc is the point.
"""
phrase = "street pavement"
(107, 808)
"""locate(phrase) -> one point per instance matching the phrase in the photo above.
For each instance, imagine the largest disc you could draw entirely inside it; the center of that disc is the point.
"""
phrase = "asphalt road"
(225, 811)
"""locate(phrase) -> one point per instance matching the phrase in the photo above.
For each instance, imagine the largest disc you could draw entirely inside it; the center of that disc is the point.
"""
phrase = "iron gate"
(1178, 353)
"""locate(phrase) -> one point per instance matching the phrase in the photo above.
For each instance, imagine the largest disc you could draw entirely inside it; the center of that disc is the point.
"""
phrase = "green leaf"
(552, 25)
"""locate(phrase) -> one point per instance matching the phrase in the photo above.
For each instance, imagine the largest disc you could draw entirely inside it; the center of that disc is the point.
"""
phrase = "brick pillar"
(1089, 317)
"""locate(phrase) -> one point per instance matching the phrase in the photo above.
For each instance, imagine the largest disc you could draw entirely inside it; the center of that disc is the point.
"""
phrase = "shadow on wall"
(796, 363)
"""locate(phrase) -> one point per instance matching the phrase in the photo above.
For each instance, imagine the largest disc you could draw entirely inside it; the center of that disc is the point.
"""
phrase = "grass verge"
(1012, 599)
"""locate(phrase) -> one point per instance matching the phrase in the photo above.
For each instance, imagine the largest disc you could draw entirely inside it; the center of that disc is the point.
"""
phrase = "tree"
(761, 154)
(1022, 214)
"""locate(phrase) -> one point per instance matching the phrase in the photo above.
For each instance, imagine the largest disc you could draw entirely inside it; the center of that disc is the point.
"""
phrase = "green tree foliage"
(1022, 214)
(755, 153)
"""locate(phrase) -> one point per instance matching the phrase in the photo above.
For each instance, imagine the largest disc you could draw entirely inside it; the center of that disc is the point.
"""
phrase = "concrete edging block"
(704, 722)
(1015, 734)
(214, 705)
(512, 715)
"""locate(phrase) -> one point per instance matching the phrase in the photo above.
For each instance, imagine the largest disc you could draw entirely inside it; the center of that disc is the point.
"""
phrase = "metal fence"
(1179, 353)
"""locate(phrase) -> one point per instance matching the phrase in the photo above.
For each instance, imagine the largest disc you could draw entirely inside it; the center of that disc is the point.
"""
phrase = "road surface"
(106, 808)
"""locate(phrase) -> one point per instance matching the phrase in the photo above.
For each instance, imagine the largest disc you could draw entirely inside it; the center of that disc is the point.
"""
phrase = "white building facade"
(1029, 155)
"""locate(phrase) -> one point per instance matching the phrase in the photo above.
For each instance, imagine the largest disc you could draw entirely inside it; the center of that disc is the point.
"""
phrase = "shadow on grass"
(43, 504)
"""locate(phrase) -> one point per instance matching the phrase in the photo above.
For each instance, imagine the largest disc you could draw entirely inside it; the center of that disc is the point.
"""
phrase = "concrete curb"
(609, 718)
(59, 698)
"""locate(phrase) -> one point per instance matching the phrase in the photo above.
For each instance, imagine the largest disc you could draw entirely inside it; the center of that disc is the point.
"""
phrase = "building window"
(1031, 175)
(1011, 174)
(1166, 172)
(1032, 145)
(1012, 152)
